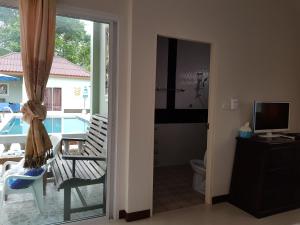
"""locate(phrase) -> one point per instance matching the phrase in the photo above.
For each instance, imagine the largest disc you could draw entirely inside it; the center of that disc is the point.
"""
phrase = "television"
(271, 117)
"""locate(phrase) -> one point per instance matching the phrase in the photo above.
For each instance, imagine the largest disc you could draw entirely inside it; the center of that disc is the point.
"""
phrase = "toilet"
(199, 167)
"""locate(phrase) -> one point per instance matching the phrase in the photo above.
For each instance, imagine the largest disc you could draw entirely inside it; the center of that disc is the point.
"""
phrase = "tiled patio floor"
(20, 209)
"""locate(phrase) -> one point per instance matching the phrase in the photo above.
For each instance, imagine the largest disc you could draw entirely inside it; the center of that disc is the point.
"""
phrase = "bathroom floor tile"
(173, 188)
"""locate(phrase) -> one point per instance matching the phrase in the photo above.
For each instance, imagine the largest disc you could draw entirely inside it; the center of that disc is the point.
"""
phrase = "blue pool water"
(53, 125)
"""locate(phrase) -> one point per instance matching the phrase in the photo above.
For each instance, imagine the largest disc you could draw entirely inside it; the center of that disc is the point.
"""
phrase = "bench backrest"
(96, 139)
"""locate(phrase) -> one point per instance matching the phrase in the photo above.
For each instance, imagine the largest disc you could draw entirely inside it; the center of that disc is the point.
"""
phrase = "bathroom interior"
(180, 135)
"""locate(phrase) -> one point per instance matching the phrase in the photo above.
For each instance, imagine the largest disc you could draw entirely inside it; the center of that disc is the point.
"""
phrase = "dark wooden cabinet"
(266, 176)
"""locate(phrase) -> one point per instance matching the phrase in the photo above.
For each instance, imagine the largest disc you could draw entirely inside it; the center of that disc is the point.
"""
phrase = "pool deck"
(21, 138)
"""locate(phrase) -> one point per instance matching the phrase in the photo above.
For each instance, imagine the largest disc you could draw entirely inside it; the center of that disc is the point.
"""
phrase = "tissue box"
(245, 134)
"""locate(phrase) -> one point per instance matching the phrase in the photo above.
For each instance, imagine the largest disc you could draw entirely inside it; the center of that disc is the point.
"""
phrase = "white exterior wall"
(14, 95)
(68, 85)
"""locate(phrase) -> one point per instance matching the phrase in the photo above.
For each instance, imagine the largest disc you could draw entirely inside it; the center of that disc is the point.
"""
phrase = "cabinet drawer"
(280, 157)
(277, 198)
(279, 178)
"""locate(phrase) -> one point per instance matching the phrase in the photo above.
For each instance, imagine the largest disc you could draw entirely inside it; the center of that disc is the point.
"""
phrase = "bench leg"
(44, 183)
(67, 146)
(67, 203)
(104, 197)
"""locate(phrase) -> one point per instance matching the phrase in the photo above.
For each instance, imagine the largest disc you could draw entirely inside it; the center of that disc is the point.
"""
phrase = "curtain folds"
(37, 20)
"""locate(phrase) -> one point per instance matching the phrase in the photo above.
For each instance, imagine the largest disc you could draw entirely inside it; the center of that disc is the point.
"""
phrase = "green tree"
(9, 30)
(72, 41)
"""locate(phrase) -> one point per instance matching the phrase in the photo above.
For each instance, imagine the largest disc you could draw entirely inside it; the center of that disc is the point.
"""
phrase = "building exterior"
(68, 87)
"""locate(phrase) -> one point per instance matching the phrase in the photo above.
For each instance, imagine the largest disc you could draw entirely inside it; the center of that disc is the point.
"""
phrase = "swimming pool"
(66, 125)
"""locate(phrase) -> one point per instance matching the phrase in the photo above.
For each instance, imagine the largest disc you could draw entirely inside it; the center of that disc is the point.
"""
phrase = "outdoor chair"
(15, 166)
(36, 187)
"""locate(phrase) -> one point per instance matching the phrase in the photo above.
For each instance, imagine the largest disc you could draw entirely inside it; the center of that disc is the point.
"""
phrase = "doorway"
(77, 94)
(181, 123)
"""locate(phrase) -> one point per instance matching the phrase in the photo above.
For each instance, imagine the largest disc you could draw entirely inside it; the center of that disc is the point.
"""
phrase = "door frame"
(211, 114)
(113, 21)
(212, 124)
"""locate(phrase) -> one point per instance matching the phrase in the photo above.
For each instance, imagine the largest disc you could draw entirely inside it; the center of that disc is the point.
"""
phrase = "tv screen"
(271, 116)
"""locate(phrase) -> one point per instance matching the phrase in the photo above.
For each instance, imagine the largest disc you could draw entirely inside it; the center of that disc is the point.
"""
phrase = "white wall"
(69, 99)
(68, 85)
(177, 144)
(192, 58)
(254, 57)
(15, 93)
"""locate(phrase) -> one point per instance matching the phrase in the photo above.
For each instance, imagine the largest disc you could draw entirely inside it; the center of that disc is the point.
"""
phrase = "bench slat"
(90, 149)
(66, 173)
(94, 171)
(93, 143)
(99, 120)
(84, 168)
(99, 134)
(78, 173)
(86, 171)
(98, 140)
(102, 165)
(56, 172)
(89, 170)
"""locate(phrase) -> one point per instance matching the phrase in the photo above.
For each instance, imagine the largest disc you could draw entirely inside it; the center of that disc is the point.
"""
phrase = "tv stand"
(269, 135)
(265, 175)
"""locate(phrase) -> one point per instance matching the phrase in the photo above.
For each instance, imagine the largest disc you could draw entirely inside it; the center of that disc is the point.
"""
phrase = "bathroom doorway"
(181, 123)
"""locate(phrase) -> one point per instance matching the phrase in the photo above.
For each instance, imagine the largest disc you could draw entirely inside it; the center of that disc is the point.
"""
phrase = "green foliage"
(4, 51)
(8, 15)
(72, 41)
(9, 30)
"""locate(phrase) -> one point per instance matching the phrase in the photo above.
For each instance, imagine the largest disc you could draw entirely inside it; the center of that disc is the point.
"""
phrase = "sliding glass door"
(74, 182)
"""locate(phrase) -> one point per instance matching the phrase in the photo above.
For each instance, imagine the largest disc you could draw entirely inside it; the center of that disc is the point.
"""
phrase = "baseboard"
(220, 199)
(122, 214)
(133, 216)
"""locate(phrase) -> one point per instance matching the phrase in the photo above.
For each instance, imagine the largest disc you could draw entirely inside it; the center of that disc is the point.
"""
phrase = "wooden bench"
(86, 168)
